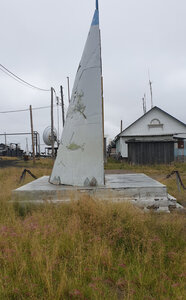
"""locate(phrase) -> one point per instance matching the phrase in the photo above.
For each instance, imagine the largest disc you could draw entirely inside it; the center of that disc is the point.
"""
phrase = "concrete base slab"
(140, 189)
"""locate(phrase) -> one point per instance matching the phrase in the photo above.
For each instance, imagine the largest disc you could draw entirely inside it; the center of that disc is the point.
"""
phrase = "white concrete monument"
(80, 158)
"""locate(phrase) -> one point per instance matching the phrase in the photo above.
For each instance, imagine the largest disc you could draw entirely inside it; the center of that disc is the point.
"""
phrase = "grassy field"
(89, 249)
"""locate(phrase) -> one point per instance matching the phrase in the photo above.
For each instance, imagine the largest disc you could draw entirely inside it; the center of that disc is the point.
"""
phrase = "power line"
(12, 77)
(42, 107)
(13, 111)
(23, 110)
(19, 79)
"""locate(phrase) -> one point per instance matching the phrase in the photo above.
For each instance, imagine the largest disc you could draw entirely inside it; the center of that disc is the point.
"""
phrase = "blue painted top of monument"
(95, 20)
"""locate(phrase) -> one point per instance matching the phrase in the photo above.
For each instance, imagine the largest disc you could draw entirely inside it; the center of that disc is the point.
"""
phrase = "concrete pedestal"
(139, 189)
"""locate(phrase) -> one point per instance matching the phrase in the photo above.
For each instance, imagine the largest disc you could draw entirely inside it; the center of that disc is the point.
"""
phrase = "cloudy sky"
(42, 42)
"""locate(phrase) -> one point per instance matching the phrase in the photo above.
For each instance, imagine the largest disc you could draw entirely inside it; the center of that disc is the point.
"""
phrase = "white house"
(156, 137)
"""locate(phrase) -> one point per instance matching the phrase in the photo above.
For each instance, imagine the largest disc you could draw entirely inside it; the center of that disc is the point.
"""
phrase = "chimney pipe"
(121, 129)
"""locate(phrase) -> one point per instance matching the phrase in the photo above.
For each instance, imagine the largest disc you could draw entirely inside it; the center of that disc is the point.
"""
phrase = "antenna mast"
(144, 104)
(150, 84)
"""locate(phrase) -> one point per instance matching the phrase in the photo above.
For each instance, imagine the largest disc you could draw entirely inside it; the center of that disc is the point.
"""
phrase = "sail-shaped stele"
(80, 159)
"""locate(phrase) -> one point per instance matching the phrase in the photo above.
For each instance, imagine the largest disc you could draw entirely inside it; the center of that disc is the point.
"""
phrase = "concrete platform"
(140, 189)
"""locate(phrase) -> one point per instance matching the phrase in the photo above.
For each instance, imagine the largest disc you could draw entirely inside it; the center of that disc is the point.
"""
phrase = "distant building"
(3, 149)
(156, 137)
(11, 150)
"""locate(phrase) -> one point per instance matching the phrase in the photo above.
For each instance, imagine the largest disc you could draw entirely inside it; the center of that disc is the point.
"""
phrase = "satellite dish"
(47, 135)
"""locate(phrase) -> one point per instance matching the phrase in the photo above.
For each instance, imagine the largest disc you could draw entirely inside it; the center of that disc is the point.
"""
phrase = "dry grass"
(87, 249)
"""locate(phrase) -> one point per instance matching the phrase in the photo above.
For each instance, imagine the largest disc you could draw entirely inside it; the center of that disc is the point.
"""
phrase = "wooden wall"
(151, 152)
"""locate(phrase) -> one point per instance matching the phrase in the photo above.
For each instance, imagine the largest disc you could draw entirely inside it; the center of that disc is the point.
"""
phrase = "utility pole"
(27, 146)
(32, 133)
(102, 100)
(36, 142)
(57, 100)
(68, 82)
(5, 138)
(62, 105)
(39, 147)
(52, 121)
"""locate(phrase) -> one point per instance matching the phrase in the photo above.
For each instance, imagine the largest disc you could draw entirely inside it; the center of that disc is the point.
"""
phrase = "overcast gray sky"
(42, 42)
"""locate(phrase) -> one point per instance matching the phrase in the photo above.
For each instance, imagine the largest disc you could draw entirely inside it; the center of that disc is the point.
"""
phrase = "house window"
(155, 123)
(180, 144)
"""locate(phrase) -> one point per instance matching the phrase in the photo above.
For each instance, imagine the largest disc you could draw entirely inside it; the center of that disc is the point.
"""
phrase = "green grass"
(113, 164)
(88, 249)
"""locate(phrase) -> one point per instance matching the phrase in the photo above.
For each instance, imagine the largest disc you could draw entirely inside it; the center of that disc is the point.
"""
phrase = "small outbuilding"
(156, 137)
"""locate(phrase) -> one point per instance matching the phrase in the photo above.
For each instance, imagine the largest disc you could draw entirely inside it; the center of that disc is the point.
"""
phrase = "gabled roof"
(154, 108)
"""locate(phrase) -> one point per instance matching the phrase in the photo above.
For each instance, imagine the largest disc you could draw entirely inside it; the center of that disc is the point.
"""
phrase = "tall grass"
(88, 249)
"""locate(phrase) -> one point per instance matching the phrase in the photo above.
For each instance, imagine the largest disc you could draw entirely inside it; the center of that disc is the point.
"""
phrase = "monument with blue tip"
(79, 165)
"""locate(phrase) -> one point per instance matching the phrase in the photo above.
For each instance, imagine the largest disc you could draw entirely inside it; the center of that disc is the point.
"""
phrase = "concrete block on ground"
(138, 189)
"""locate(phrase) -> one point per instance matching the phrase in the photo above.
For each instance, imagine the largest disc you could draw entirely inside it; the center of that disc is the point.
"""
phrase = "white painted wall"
(122, 147)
